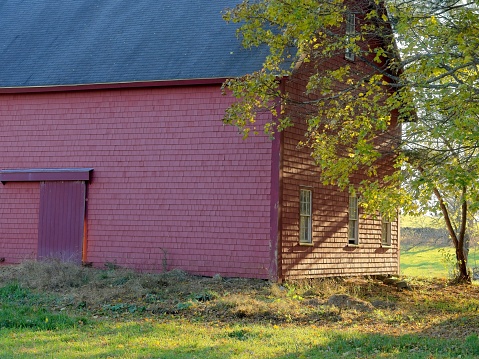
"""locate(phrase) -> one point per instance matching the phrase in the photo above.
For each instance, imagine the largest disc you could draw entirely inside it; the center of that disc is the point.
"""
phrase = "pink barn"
(113, 150)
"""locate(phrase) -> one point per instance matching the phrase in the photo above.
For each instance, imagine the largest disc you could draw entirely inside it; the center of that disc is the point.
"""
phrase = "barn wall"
(329, 254)
(172, 187)
(19, 207)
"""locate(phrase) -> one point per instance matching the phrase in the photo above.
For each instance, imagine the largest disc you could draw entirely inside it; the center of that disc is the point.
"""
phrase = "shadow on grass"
(419, 249)
(463, 326)
(430, 343)
(381, 346)
(424, 262)
(425, 267)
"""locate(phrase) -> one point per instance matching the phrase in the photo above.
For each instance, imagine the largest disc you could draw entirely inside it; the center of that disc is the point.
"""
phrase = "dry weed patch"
(429, 307)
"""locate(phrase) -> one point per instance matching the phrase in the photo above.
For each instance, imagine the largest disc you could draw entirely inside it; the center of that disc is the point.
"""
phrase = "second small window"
(353, 224)
(386, 231)
(350, 33)
(305, 216)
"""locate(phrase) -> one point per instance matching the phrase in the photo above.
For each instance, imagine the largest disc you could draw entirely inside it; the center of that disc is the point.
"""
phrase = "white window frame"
(350, 33)
(385, 231)
(353, 221)
(305, 216)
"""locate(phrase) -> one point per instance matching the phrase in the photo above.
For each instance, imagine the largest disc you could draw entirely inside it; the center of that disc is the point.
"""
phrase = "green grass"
(432, 261)
(182, 339)
(20, 309)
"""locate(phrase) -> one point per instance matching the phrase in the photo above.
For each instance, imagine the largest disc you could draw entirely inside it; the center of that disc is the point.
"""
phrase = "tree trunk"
(457, 238)
(463, 274)
(467, 242)
(461, 255)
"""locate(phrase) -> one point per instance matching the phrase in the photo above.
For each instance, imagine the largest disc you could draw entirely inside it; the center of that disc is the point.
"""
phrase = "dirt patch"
(345, 301)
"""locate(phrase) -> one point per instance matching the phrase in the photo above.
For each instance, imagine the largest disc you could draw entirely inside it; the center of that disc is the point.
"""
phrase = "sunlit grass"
(432, 261)
(181, 339)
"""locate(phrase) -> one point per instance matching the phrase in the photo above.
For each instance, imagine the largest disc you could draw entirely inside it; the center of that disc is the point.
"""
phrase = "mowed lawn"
(432, 262)
(178, 339)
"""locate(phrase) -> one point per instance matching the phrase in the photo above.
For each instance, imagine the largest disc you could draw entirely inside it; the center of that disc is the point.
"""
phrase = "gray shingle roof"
(70, 42)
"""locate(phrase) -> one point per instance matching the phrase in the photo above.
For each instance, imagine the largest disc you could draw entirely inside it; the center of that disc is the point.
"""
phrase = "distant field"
(425, 249)
(432, 261)
(421, 222)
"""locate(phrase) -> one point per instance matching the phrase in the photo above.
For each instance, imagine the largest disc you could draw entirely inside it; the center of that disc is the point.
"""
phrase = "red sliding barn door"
(62, 215)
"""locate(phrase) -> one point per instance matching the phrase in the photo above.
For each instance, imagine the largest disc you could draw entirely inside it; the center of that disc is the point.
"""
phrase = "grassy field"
(429, 261)
(52, 310)
(423, 254)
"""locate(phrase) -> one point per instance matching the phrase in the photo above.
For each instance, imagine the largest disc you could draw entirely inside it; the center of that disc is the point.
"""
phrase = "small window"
(353, 226)
(305, 214)
(350, 33)
(386, 231)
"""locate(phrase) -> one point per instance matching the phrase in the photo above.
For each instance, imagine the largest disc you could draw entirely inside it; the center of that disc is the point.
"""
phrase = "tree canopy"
(409, 93)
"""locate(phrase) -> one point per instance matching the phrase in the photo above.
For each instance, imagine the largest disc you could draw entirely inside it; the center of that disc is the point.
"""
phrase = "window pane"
(305, 229)
(386, 232)
(305, 202)
(353, 208)
(353, 220)
(305, 225)
(352, 229)
(350, 24)
(350, 32)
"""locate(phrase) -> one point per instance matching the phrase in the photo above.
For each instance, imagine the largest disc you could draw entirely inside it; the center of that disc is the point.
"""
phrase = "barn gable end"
(330, 250)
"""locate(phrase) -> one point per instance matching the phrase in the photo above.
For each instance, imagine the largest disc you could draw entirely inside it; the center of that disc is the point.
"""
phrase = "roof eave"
(115, 85)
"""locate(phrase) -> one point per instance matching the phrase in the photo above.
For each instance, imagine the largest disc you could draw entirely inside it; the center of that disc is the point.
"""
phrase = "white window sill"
(306, 244)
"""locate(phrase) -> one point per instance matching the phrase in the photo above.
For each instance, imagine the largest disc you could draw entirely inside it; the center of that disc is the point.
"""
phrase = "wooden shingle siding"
(329, 254)
(172, 186)
(19, 206)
